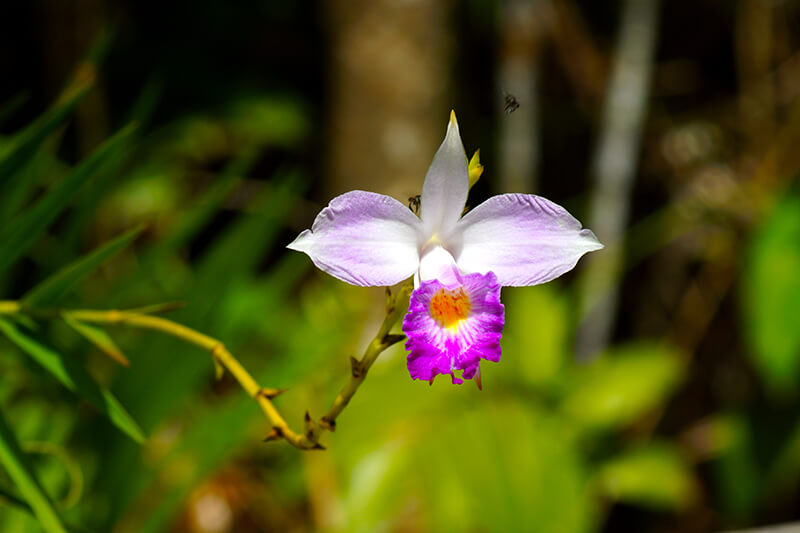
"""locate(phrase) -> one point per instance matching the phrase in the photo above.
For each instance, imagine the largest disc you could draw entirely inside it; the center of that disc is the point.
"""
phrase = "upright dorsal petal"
(363, 238)
(444, 192)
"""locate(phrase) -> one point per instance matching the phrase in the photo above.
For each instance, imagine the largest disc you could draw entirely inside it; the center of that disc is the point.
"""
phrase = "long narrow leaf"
(15, 463)
(51, 290)
(157, 309)
(22, 232)
(98, 337)
(7, 496)
(96, 191)
(25, 143)
(74, 377)
(197, 216)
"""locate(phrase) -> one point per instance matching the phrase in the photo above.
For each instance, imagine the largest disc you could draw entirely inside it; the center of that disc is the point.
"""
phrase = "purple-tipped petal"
(444, 192)
(524, 239)
(363, 238)
(437, 349)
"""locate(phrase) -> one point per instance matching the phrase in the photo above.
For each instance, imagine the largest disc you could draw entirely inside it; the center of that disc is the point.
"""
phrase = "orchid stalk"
(455, 317)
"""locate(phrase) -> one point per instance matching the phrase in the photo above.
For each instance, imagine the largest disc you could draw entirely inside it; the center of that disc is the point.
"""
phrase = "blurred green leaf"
(24, 144)
(621, 385)
(536, 335)
(493, 464)
(274, 120)
(511, 464)
(782, 474)
(157, 309)
(771, 290)
(15, 463)
(23, 230)
(14, 197)
(654, 475)
(74, 377)
(197, 216)
(235, 419)
(228, 262)
(93, 194)
(8, 496)
(230, 259)
(98, 337)
(738, 477)
(50, 291)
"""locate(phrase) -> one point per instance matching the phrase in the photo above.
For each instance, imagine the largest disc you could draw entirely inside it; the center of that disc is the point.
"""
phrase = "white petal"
(524, 239)
(363, 238)
(444, 192)
(437, 264)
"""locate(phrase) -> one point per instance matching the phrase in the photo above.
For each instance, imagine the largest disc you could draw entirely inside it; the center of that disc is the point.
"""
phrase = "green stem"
(396, 306)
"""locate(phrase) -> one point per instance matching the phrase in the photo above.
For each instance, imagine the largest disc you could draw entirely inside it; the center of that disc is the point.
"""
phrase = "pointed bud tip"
(453, 117)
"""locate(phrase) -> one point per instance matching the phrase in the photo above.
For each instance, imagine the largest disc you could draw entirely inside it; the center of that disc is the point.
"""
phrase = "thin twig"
(396, 306)
(217, 350)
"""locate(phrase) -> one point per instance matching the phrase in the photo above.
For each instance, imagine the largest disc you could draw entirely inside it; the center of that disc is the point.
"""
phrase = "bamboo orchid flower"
(455, 317)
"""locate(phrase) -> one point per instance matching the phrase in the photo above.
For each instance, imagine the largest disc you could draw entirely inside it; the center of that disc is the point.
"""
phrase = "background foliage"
(152, 154)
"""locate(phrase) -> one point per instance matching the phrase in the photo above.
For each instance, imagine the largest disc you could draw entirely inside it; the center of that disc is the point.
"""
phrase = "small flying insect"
(511, 103)
(414, 203)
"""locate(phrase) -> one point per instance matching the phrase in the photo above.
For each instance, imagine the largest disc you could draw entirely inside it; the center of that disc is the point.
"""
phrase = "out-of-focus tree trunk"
(388, 76)
(91, 21)
(754, 55)
(389, 104)
(523, 23)
(614, 168)
(71, 28)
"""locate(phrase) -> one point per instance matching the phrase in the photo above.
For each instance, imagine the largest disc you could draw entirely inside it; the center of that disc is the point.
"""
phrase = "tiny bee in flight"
(511, 103)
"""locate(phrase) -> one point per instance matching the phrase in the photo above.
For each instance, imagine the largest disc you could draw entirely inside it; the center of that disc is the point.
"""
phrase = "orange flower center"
(449, 308)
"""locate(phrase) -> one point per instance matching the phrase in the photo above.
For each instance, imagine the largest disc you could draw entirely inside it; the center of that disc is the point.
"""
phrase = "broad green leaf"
(24, 144)
(51, 290)
(15, 463)
(22, 231)
(101, 340)
(74, 377)
(771, 290)
(621, 385)
(655, 475)
(508, 463)
(487, 465)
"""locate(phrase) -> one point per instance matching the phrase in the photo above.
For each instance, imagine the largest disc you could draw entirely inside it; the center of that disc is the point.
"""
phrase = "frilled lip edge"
(434, 349)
